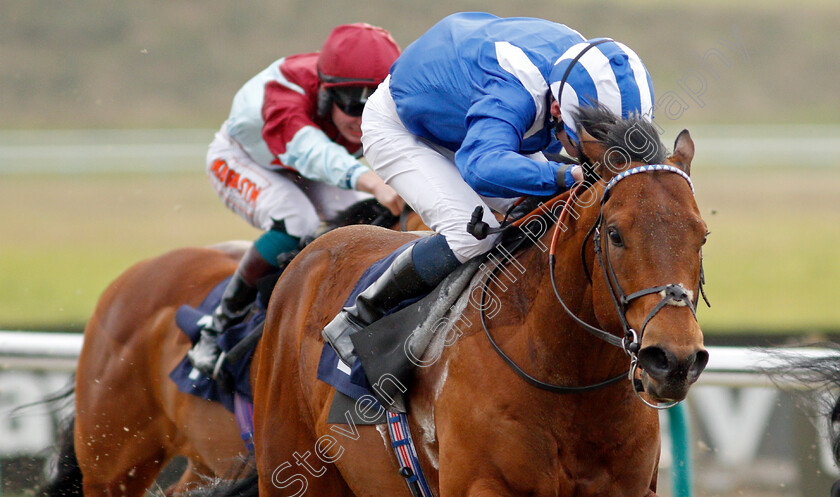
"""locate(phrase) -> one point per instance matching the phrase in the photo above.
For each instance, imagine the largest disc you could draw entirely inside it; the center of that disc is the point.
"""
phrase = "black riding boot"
(400, 282)
(237, 300)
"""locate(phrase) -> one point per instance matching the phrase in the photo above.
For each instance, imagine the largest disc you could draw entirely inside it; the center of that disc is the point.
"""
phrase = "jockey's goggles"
(351, 99)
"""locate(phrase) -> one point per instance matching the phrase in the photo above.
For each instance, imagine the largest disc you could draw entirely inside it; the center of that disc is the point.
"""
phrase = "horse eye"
(615, 236)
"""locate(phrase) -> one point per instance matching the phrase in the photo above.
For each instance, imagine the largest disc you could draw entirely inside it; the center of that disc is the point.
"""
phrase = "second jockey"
(287, 158)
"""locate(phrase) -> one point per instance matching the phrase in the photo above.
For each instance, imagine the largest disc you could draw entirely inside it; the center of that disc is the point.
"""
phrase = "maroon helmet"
(356, 55)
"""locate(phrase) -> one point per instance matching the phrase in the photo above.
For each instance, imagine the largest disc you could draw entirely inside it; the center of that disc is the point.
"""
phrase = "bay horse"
(130, 419)
(481, 429)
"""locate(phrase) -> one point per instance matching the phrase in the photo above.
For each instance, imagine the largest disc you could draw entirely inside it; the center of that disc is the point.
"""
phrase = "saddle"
(412, 335)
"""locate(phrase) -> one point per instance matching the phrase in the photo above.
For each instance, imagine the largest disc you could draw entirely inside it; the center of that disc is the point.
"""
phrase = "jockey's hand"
(568, 176)
(369, 182)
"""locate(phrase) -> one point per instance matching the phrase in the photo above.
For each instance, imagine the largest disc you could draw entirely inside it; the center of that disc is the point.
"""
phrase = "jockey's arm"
(318, 158)
(490, 163)
(369, 182)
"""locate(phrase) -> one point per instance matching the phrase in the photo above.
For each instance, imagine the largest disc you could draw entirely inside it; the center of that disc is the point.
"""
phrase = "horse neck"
(559, 349)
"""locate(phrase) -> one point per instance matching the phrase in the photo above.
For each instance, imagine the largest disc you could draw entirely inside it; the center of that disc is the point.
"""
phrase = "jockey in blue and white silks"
(462, 121)
(478, 85)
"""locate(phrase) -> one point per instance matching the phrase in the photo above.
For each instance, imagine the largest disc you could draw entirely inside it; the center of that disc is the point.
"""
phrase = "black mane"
(367, 211)
(634, 136)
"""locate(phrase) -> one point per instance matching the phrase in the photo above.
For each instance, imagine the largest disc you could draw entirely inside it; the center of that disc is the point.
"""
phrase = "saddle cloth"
(191, 381)
(383, 347)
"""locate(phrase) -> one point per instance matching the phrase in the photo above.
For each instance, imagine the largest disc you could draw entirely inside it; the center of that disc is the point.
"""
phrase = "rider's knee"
(276, 241)
(301, 222)
(466, 246)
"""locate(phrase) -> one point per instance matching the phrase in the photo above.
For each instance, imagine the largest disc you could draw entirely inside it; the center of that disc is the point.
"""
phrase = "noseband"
(671, 293)
(630, 343)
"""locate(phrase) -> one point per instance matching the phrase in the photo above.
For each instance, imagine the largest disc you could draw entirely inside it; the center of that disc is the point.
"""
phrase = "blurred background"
(106, 109)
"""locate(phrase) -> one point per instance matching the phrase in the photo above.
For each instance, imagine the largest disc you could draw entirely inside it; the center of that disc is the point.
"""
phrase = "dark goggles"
(351, 99)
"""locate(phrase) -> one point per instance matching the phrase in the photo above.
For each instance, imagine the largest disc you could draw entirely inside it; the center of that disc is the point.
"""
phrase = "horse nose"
(662, 364)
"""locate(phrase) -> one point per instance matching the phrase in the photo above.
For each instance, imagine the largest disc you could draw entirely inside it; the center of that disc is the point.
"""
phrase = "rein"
(630, 343)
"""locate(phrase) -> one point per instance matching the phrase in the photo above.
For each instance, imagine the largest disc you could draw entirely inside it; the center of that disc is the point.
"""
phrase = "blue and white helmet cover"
(609, 73)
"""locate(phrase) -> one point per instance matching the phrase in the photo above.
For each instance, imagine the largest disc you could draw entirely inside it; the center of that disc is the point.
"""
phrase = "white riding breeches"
(425, 176)
(262, 196)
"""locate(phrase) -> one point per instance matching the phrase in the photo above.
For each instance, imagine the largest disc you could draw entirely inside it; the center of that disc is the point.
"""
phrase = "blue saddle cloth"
(351, 381)
(190, 380)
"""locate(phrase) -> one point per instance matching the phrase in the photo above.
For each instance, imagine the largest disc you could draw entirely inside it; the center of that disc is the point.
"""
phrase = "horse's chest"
(536, 461)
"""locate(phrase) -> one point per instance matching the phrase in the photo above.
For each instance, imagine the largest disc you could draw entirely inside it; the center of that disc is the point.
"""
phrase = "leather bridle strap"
(672, 293)
(632, 339)
(560, 389)
(550, 387)
(599, 333)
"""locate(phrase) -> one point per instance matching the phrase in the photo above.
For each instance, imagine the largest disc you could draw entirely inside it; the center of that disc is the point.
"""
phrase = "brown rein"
(631, 342)
(561, 389)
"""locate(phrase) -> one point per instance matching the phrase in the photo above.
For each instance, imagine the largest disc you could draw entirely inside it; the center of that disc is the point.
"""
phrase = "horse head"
(647, 241)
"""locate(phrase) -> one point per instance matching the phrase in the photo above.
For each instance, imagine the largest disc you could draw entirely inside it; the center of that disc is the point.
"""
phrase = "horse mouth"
(666, 379)
(665, 391)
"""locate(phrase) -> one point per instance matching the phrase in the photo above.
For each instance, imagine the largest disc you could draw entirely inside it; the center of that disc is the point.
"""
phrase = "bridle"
(631, 340)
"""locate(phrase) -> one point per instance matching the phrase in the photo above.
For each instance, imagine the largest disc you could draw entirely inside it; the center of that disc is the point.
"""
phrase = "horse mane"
(367, 211)
(634, 136)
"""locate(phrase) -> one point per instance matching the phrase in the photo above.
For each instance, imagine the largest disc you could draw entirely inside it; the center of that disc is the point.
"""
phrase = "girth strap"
(406, 454)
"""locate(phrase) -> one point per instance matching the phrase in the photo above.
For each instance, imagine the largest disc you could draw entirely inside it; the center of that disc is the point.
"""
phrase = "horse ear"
(592, 148)
(683, 151)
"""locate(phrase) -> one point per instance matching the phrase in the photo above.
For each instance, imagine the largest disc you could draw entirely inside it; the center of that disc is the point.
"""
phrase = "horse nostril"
(662, 364)
(656, 361)
(701, 359)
